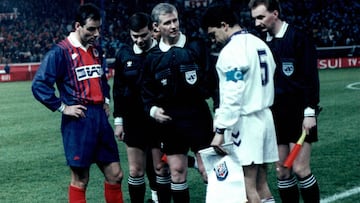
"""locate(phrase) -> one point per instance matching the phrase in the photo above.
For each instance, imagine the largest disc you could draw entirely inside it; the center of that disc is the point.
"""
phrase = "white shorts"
(254, 138)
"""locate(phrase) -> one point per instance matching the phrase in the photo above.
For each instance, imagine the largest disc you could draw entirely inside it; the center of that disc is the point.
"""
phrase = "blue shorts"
(89, 140)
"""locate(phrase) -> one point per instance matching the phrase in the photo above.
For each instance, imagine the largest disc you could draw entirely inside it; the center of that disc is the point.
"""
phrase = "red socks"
(113, 193)
(76, 195)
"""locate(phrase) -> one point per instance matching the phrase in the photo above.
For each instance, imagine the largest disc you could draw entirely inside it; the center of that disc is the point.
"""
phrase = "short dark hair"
(140, 20)
(271, 5)
(87, 11)
(216, 14)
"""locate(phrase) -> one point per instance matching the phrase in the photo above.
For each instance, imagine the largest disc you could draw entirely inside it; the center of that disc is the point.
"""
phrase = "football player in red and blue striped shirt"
(74, 65)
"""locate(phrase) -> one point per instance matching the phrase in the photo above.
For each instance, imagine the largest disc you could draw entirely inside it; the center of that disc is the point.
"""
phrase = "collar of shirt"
(75, 42)
(138, 50)
(243, 31)
(180, 43)
(280, 34)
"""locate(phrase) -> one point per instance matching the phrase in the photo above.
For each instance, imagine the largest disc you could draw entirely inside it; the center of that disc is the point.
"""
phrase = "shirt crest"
(96, 53)
(191, 77)
(288, 68)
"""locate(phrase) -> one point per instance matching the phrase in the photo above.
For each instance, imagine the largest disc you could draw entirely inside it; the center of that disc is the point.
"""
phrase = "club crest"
(221, 171)
(191, 77)
(288, 68)
(95, 52)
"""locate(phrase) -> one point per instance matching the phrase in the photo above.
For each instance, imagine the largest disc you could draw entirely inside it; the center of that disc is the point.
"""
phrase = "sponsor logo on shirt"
(87, 72)
(164, 82)
(74, 55)
(129, 63)
(237, 140)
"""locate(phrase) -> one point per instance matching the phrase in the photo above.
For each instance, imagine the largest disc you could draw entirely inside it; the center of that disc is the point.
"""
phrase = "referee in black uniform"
(176, 85)
(132, 124)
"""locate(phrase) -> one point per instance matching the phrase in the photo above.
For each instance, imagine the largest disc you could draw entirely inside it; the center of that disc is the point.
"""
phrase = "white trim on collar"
(75, 42)
(180, 43)
(137, 49)
(280, 34)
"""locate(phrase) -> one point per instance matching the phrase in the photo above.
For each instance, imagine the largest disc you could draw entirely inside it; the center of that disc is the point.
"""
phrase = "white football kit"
(246, 69)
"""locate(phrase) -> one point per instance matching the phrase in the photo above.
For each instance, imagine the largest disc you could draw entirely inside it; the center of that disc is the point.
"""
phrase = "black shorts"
(191, 128)
(288, 119)
(140, 131)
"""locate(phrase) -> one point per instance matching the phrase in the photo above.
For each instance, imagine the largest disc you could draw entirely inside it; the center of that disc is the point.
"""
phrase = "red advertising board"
(19, 72)
(341, 62)
(26, 71)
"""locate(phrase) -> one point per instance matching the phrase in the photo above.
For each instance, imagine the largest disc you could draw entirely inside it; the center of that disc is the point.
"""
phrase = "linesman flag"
(295, 151)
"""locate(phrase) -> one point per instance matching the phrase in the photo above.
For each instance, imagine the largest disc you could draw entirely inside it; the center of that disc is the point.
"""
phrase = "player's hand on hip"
(160, 116)
(308, 123)
(119, 132)
(75, 110)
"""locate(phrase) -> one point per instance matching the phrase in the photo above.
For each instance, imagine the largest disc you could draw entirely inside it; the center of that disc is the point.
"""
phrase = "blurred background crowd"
(29, 28)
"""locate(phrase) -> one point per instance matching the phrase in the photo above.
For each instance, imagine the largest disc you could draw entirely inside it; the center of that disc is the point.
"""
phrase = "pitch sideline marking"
(342, 195)
(353, 86)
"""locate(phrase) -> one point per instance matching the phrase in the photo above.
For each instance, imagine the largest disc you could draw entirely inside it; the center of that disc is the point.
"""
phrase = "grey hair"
(161, 9)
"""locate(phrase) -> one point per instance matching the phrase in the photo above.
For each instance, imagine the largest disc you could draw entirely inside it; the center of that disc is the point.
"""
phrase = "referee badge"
(191, 77)
(221, 171)
(288, 68)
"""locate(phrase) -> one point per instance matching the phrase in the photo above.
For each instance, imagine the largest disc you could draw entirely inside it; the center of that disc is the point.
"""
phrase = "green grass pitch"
(32, 164)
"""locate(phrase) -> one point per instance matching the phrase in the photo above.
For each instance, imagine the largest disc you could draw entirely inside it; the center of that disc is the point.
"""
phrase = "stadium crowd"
(29, 28)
